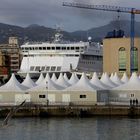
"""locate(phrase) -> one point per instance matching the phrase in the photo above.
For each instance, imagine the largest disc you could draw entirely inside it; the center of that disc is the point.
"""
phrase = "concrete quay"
(72, 111)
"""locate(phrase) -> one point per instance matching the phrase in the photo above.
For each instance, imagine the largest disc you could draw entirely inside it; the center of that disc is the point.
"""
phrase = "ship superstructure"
(60, 56)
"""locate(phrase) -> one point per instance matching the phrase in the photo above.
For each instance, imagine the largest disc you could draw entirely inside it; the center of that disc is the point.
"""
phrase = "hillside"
(41, 33)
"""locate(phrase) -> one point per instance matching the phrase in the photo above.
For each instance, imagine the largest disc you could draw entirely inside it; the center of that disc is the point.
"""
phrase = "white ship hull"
(60, 57)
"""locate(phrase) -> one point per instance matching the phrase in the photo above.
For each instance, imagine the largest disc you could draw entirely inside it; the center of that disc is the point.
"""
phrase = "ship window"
(37, 68)
(48, 48)
(44, 48)
(63, 48)
(68, 48)
(31, 68)
(26, 48)
(47, 68)
(53, 48)
(36, 48)
(72, 48)
(77, 48)
(57, 48)
(58, 68)
(53, 68)
(40, 48)
(43, 68)
(76, 55)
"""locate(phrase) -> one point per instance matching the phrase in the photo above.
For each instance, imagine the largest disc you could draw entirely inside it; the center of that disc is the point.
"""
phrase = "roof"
(83, 85)
(95, 81)
(106, 80)
(73, 79)
(62, 82)
(125, 79)
(53, 77)
(111, 77)
(40, 79)
(46, 84)
(28, 82)
(13, 85)
(132, 84)
(116, 79)
(65, 77)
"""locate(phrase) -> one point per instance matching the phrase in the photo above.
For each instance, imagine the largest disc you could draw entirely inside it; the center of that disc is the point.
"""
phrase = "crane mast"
(131, 11)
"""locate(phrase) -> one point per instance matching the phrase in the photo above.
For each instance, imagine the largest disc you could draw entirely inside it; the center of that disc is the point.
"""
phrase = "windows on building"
(134, 59)
(42, 96)
(82, 96)
(122, 59)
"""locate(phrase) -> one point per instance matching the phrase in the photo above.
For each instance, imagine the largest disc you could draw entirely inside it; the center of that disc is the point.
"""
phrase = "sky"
(50, 13)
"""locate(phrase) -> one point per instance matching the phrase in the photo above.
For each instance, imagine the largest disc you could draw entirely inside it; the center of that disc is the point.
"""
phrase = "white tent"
(95, 81)
(132, 84)
(106, 80)
(28, 82)
(65, 77)
(53, 77)
(62, 82)
(40, 79)
(111, 77)
(116, 79)
(73, 79)
(83, 85)
(124, 78)
(13, 85)
(46, 85)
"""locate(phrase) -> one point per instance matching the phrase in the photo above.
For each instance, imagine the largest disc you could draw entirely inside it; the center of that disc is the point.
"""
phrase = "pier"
(71, 111)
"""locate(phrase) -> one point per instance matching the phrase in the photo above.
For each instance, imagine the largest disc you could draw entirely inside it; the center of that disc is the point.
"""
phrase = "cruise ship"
(60, 56)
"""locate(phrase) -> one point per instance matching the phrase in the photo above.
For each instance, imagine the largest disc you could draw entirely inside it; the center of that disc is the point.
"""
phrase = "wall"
(110, 54)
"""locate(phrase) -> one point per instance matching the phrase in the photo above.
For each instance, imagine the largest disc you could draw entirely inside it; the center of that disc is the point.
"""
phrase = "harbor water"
(95, 128)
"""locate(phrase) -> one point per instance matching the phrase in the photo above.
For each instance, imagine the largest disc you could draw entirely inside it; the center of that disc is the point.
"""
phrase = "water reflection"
(96, 128)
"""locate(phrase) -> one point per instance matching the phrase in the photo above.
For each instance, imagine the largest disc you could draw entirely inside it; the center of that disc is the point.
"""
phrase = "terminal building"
(116, 55)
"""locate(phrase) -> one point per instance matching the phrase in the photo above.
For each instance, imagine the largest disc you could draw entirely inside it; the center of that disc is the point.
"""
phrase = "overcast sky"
(51, 12)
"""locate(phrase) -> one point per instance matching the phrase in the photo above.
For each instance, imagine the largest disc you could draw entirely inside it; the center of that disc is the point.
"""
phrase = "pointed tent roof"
(102, 75)
(111, 77)
(13, 85)
(125, 79)
(132, 84)
(65, 77)
(53, 77)
(83, 85)
(95, 81)
(106, 80)
(47, 84)
(116, 80)
(40, 79)
(62, 82)
(28, 82)
(73, 79)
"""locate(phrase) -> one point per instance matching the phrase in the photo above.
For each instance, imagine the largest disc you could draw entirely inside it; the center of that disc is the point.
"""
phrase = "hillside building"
(9, 57)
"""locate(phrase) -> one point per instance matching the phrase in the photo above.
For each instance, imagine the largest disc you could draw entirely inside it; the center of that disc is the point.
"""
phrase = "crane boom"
(131, 11)
(103, 7)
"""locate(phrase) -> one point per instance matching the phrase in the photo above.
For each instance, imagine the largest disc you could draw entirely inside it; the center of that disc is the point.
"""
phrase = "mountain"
(36, 32)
